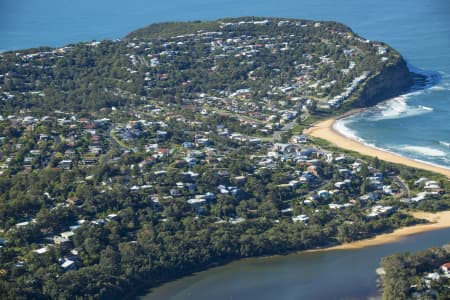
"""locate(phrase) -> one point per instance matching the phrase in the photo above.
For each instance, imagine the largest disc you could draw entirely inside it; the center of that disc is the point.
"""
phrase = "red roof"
(162, 150)
(446, 265)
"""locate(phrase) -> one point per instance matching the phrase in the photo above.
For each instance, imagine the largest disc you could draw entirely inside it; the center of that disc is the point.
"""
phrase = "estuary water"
(338, 274)
(416, 125)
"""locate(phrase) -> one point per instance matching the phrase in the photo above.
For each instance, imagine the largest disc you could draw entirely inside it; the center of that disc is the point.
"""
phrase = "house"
(430, 186)
(323, 193)
(345, 172)
(73, 201)
(65, 164)
(68, 264)
(300, 218)
(162, 135)
(287, 210)
(67, 234)
(98, 221)
(236, 220)
(378, 210)
(77, 224)
(223, 173)
(340, 184)
(35, 152)
(420, 196)
(112, 217)
(190, 161)
(41, 250)
(43, 137)
(294, 183)
(191, 174)
(210, 196)
(421, 180)
(356, 166)
(370, 197)
(284, 148)
(335, 206)
(313, 170)
(307, 152)
(188, 145)
(299, 139)
(387, 189)
(197, 203)
(340, 159)
(445, 268)
(22, 224)
(161, 152)
(60, 240)
(202, 142)
(175, 193)
(239, 180)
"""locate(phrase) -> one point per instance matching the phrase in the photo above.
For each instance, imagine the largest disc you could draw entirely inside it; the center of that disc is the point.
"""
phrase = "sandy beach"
(326, 131)
(438, 220)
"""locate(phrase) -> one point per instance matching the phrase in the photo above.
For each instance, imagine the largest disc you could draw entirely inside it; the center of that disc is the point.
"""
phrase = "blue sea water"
(416, 125)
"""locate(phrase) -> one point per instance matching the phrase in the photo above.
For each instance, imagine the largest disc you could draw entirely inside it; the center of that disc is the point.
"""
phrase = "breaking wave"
(446, 144)
(425, 151)
(426, 107)
(443, 85)
(398, 108)
(341, 127)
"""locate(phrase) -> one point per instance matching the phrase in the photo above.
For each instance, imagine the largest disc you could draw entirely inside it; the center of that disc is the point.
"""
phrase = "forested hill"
(170, 29)
(128, 163)
(268, 59)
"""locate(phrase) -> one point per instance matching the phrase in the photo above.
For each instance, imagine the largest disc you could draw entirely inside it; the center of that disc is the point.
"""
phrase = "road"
(286, 127)
(402, 185)
(113, 141)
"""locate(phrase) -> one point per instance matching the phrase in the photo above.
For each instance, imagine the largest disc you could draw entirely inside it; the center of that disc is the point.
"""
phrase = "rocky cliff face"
(390, 82)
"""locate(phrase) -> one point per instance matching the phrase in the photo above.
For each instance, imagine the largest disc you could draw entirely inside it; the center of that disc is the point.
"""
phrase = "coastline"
(325, 130)
(439, 220)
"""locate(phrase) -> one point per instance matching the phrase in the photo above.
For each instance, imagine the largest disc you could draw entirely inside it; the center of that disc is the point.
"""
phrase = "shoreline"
(439, 220)
(325, 130)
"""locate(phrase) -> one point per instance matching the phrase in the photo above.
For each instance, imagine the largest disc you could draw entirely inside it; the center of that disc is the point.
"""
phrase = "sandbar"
(440, 220)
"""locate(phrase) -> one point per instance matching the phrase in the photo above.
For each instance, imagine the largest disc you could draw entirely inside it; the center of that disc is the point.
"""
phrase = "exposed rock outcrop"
(392, 81)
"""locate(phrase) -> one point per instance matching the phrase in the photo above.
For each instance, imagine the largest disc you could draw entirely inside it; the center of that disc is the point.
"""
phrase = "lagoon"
(337, 274)
(416, 125)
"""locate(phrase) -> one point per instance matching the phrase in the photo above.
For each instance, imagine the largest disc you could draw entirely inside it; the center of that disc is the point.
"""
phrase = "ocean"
(416, 125)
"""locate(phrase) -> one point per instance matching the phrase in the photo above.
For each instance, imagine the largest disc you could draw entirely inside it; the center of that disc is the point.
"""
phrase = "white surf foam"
(341, 127)
(446, 144)
(441, 87)
(397, 108)
(426, 107)
(426, 151)
(446, 161)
